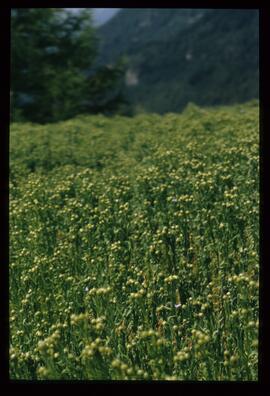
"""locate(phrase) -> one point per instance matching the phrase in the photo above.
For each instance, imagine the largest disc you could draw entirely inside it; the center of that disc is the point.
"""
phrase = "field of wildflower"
(134, 247)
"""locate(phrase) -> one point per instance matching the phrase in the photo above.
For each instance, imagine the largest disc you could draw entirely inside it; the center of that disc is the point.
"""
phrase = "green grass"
(113, 224)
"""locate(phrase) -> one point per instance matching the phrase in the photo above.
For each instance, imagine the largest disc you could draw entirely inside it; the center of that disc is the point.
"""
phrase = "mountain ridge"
(208, 57)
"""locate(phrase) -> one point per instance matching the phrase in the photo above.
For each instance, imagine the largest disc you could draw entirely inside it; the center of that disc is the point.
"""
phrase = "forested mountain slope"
(177, 56)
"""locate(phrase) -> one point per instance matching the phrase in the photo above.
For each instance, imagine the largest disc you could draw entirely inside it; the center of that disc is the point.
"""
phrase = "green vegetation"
(134, 246)
(53, 76)
(208, 57)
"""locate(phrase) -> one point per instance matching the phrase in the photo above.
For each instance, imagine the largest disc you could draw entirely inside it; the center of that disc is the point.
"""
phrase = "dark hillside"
(178, 56)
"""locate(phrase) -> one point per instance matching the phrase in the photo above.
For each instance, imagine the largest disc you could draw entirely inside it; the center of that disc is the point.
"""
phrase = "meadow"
(134, 247)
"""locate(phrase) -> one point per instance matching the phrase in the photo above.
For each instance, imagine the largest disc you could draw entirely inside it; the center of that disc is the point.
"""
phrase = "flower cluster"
(134, 248)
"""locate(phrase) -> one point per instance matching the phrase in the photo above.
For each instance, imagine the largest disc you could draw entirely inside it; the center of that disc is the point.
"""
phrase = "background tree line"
(53, 71)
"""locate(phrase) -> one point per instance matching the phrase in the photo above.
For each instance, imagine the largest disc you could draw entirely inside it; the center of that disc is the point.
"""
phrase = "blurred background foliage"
(140, 60)
(53, 76)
